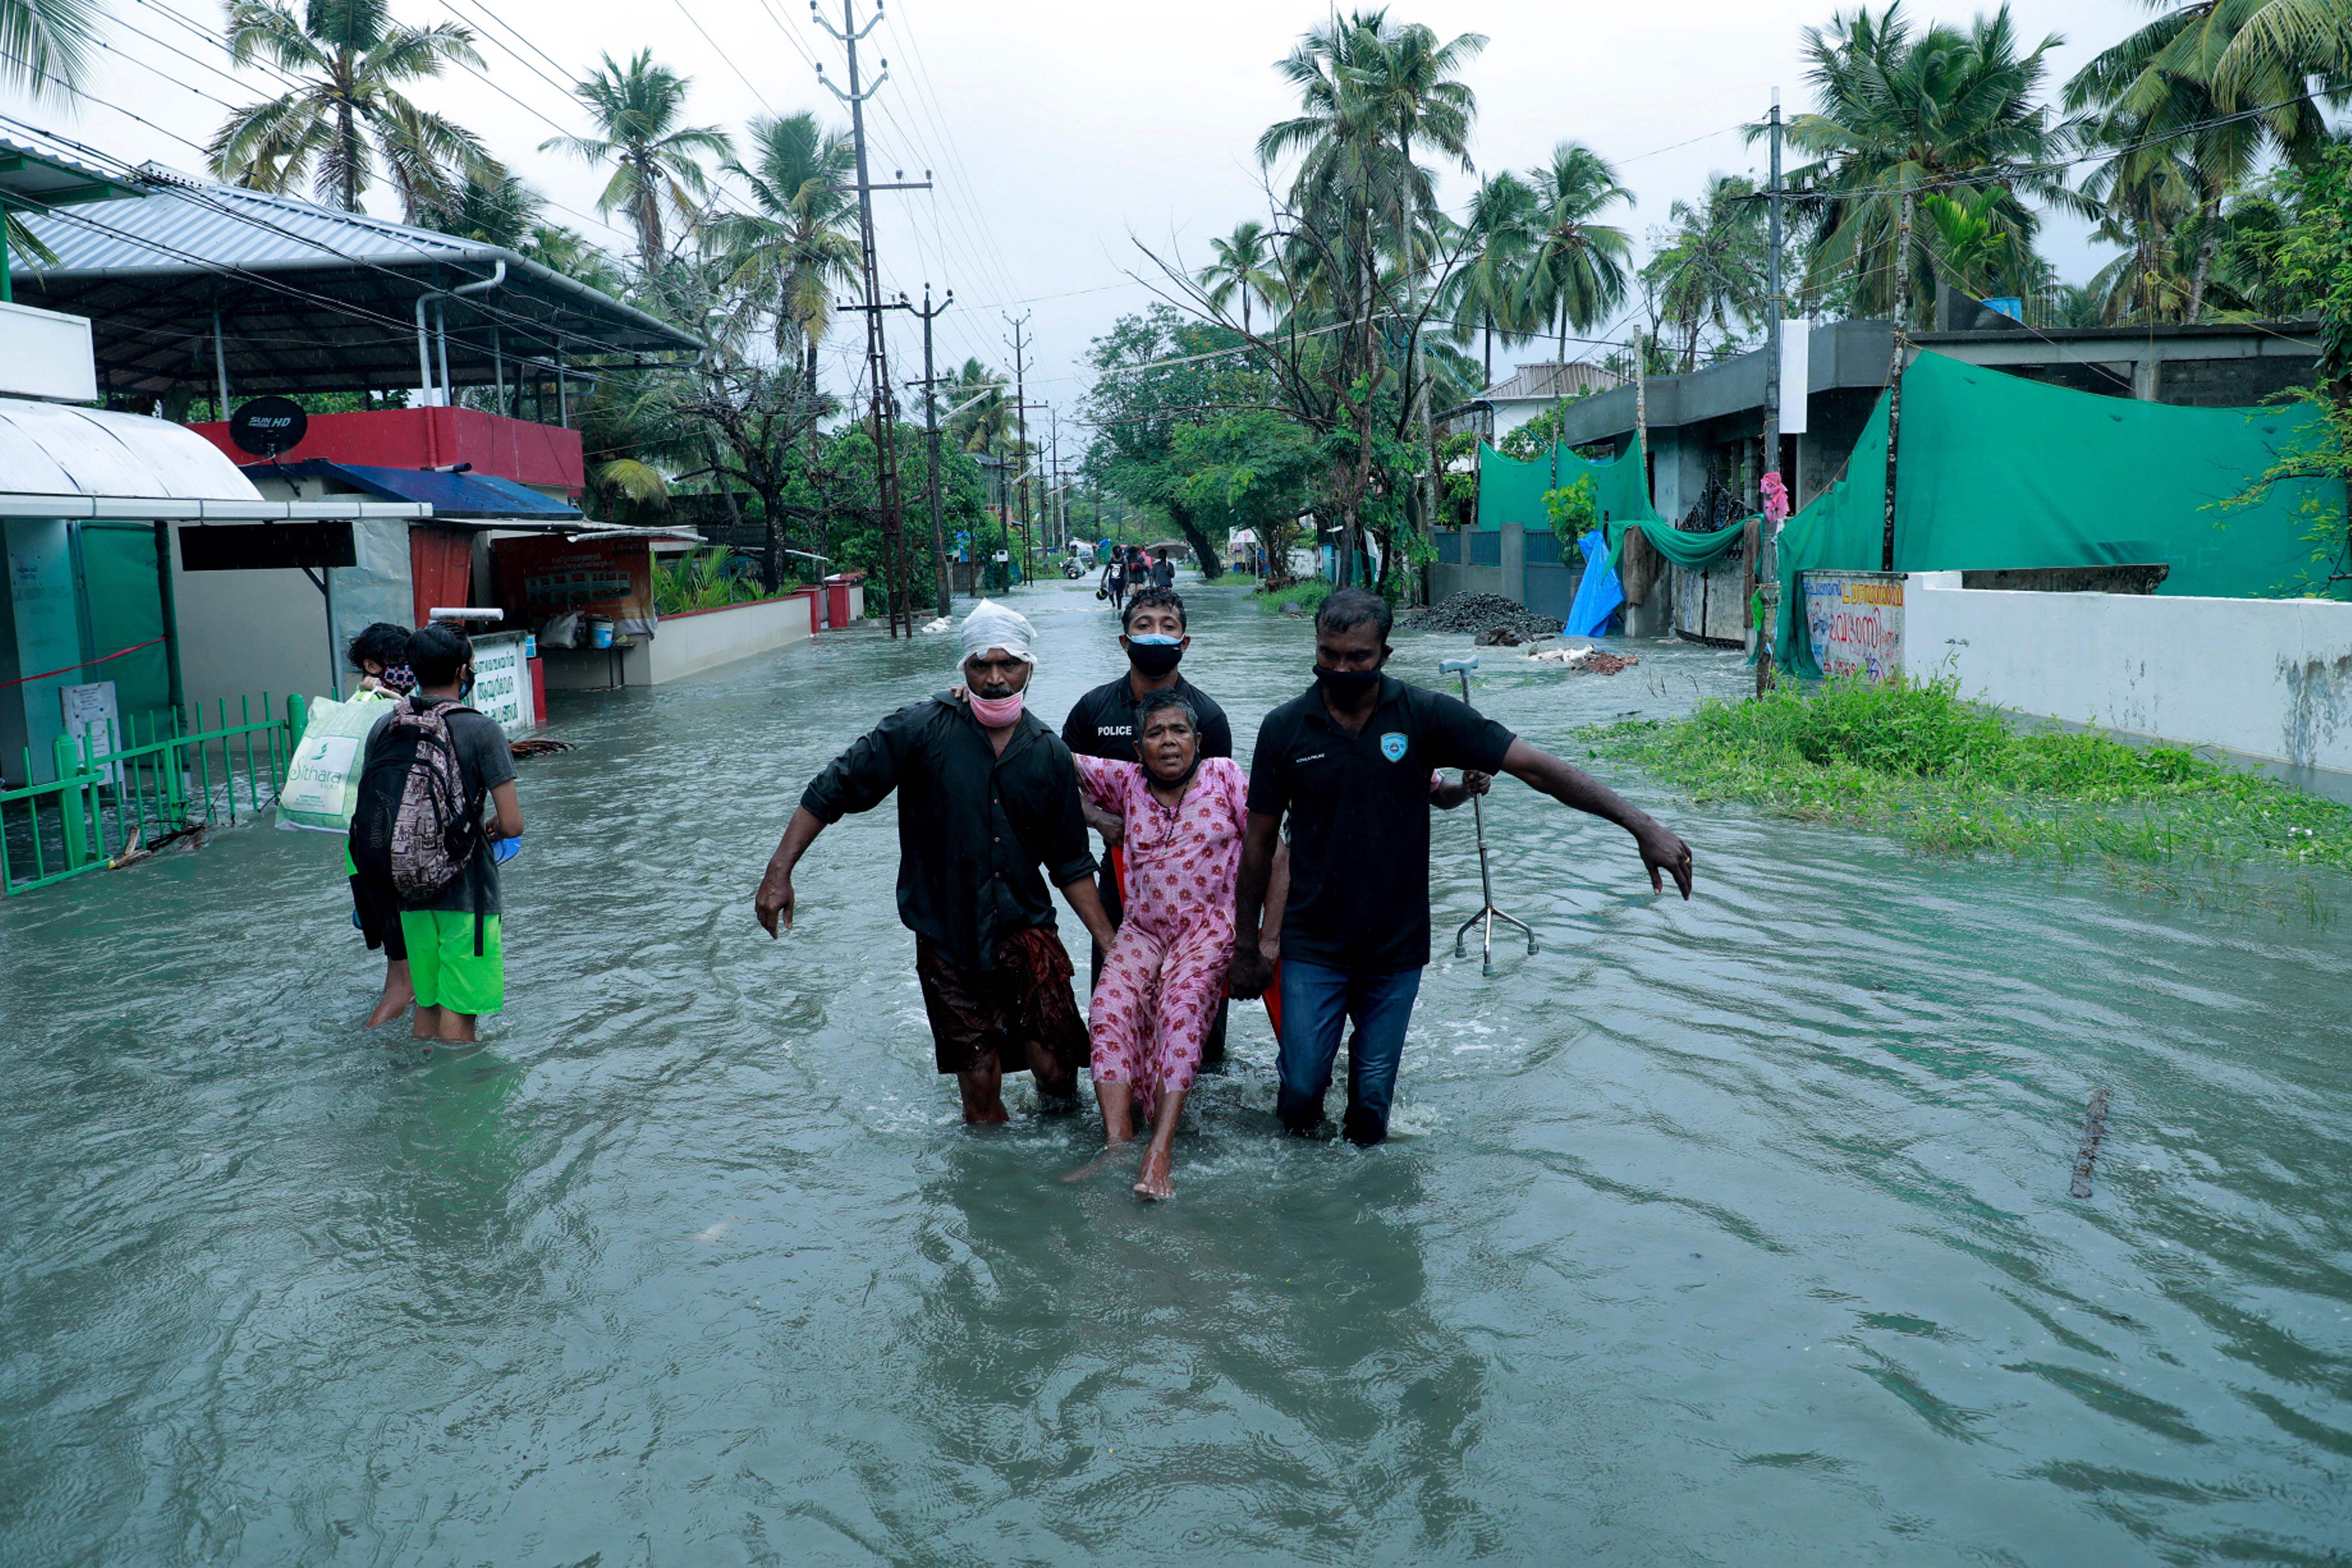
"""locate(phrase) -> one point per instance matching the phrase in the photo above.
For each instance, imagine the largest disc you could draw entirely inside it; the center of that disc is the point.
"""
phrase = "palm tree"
(502, 212)
(657, 162)
(2208, 87)
(801, 245)
(1242, 270)
(1577, 267)
(45, 45)
(1900, 115)
(980, 416)
(1484, 294)
(346, 115)
(1711, 270)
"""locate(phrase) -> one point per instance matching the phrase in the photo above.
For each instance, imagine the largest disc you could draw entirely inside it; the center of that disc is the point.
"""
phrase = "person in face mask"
(987, 794)
(1350, 761)
(1102, 724)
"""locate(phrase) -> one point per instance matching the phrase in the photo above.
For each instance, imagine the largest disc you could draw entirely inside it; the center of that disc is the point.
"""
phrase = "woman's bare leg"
(1156, 1180)
(398, 993)
(1118, 1100)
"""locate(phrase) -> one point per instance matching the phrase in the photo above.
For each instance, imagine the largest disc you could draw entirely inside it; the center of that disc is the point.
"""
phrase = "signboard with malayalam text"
(502, 682)
(544, 576)
(1855, 621)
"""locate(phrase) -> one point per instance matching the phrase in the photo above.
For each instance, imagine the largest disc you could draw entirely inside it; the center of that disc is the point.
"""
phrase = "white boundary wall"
(2270, 679)
(688, 644)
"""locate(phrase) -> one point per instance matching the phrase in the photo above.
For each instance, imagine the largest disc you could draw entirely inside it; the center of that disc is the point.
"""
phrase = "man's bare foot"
(985, 1115)
(1156, 1180)
(391, 1006)
(1100, 1160)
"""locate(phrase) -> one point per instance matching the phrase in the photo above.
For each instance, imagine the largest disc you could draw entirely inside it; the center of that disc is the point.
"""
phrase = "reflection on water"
(1730, 1231)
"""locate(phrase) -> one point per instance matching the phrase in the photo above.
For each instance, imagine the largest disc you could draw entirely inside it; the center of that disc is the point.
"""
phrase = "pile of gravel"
(1482, 613)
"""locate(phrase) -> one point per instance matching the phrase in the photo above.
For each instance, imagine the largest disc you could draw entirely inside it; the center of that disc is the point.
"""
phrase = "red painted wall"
(516, 449)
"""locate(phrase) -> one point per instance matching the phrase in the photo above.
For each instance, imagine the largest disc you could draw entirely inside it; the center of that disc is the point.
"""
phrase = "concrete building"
(1705, 429)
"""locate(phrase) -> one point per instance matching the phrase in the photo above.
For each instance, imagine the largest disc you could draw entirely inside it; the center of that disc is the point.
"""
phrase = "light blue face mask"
(1154, 654)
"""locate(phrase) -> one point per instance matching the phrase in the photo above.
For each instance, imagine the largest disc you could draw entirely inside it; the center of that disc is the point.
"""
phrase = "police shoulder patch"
(1392, 745)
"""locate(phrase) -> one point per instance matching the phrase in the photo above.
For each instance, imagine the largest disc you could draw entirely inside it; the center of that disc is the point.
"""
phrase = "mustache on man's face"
(996, 690)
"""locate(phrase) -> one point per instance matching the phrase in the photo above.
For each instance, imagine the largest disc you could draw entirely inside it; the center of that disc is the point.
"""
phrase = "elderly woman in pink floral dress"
(1161, 981)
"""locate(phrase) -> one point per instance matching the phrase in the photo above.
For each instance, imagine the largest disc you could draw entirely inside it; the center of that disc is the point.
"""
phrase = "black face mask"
(1347, 686)
(1152, 660)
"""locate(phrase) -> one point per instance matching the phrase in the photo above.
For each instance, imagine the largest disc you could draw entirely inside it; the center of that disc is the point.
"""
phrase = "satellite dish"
(267, 426)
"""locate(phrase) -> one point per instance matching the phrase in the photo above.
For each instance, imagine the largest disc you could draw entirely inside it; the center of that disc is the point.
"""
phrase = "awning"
(93, 464)
(452, 497)
(148, 509)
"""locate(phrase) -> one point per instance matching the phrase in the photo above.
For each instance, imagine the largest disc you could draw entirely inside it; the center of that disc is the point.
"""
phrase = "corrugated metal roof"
(31, 173)
(1550, 380)
(229, 226)
(309, 297)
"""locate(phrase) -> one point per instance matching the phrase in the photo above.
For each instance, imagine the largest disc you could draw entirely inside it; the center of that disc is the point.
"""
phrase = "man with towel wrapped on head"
(987, 794)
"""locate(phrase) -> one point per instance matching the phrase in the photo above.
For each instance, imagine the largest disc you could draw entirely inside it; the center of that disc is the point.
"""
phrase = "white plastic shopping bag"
(323, 782)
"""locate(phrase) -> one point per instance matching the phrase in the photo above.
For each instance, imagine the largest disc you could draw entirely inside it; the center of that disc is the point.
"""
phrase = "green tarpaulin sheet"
(1998, 471)
(1510, 488)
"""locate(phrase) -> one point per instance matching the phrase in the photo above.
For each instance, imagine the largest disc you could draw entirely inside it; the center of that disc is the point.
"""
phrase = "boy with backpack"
(419, 841)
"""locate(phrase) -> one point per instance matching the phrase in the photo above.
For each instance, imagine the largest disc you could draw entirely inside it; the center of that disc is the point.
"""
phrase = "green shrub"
(704, 581)
(1308, 594)
(1951, 777)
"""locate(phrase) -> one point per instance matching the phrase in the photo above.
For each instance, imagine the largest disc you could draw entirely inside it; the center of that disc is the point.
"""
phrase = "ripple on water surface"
(1733, 1231)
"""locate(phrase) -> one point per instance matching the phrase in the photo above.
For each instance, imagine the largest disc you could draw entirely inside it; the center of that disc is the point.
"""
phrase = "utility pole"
(1894, 376)
(1020, 414)
(1768, 547)
(930, 386)
(877, 347)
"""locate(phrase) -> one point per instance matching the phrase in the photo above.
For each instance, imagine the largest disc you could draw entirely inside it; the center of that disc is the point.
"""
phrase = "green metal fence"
(128, 790)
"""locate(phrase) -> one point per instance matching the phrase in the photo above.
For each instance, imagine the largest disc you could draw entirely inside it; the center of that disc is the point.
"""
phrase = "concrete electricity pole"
(1768, 547)
(930, 386)
(1894, 374)
(1021, 413)
(877, 348)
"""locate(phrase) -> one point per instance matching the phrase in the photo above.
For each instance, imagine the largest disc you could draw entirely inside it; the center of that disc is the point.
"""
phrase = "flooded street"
(1734, 1231)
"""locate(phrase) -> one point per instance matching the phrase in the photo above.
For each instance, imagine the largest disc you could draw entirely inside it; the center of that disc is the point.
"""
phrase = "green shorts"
(442, 965)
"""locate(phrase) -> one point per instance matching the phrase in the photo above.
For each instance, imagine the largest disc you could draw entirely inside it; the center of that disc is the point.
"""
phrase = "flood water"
(1734, 1231)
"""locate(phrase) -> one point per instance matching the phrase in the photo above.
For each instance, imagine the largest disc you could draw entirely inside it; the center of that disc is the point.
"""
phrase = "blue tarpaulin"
(1600, 595)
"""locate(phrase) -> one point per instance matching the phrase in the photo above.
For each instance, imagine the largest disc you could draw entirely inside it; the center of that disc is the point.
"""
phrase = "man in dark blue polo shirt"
(1350, 761)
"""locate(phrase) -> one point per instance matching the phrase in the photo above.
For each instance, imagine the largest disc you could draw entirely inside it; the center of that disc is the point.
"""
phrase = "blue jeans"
(1316, 1004)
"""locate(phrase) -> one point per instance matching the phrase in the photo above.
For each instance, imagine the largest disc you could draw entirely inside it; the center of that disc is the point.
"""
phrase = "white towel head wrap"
(990, 625)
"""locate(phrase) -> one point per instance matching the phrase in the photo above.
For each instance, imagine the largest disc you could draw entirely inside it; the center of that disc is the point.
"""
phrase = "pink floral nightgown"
(1166, 970)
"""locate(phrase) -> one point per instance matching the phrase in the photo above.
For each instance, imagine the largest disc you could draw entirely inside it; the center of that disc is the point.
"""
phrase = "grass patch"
(1308, 594)
(1951, 778)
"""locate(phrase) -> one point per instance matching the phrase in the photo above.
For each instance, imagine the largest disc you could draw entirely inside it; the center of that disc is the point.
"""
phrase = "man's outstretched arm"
(1249, 972)
(1661, 851)
(774, 900)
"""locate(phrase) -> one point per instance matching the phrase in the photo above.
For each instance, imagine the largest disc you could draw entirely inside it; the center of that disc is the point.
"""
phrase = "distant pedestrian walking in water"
(1349, 763)
(1114, 582)
(987, 792)
(1165, 975)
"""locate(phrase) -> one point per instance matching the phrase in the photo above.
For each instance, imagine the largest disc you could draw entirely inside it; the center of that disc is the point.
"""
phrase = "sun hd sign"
(1855, 621)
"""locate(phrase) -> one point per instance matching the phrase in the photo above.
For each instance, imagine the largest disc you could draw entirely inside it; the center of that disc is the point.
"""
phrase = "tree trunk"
(1212, 567)
(2209, 231)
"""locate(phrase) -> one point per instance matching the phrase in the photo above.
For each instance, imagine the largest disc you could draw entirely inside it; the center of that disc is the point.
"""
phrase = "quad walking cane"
(1488, 912)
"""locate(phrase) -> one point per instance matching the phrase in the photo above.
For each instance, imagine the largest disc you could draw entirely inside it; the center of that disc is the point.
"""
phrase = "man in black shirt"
(1350, 761)
(1102, 724)
(1163, 571)
(986, 793)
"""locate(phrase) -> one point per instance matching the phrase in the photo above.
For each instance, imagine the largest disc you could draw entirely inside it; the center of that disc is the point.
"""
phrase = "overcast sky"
(1060, 134)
